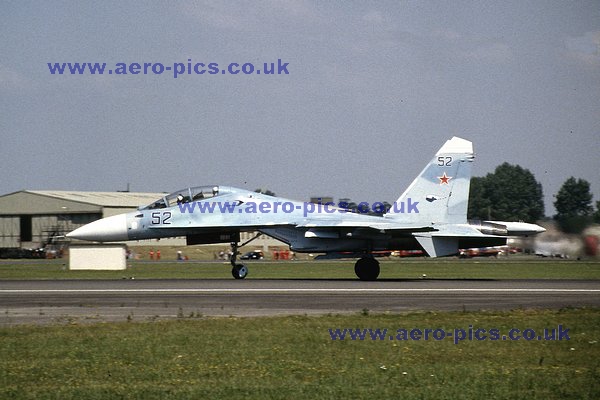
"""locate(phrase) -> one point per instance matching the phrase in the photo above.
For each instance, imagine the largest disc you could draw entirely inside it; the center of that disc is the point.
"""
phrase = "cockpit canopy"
(184, 196)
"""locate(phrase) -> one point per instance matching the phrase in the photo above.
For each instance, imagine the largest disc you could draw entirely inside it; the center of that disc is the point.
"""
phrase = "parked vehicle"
(253, 255)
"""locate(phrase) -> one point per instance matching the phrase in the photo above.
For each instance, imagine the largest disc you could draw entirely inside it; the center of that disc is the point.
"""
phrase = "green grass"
(294, 357)
(517, 267)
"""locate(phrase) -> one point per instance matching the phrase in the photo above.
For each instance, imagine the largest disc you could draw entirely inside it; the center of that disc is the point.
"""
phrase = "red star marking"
(444, 179)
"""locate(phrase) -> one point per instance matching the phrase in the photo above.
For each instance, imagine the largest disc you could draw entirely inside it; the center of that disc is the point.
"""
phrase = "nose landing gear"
(239, 270)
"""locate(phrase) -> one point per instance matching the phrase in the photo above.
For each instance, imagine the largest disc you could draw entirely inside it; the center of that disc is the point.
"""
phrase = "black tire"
(367, 269)
(239, 271)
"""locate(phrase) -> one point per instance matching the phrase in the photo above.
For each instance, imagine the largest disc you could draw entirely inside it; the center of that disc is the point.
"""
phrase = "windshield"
(184, 196)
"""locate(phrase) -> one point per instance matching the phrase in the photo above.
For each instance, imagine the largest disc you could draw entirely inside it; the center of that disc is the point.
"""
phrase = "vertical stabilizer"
(441, 189)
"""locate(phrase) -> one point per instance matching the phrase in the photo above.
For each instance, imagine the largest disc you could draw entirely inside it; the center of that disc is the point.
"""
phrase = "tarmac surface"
(92, 301)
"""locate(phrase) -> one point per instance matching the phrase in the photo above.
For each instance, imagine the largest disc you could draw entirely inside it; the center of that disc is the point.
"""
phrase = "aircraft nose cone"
(107, 229)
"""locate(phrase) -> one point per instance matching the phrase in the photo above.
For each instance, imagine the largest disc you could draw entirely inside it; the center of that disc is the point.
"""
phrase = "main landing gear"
(239, 270)
(367, 268)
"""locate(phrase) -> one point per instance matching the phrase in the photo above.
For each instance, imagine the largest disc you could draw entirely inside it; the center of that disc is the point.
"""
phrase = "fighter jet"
(431, 215)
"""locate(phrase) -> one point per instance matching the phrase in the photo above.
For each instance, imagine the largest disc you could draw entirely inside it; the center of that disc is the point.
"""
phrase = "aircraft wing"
(436, 240)
(447, 239)
(377, 226)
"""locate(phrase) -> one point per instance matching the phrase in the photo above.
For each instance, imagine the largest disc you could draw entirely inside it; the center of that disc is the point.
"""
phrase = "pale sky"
(373, 90)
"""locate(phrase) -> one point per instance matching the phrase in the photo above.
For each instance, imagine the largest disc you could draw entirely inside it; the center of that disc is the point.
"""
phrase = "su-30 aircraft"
(430, 215)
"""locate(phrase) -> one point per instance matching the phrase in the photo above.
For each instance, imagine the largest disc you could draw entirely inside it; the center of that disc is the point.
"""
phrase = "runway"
(64, 301)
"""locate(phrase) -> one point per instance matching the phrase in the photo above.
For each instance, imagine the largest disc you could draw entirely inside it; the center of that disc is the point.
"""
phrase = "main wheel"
(239, 271)
(367, 269)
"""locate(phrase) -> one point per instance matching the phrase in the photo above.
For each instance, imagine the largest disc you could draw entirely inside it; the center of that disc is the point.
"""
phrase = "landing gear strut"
(239, 271)
(367, 268)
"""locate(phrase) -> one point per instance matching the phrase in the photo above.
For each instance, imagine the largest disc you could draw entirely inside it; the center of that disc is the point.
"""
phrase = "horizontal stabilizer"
(438, 246)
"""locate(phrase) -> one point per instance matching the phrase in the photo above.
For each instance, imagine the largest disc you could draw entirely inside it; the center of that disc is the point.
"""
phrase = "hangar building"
(32, 218)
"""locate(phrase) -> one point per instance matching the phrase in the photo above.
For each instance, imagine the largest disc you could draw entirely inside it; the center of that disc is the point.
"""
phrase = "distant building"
(321, 200)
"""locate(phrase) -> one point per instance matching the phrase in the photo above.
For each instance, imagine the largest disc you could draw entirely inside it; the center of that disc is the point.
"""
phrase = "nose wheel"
(239, 271)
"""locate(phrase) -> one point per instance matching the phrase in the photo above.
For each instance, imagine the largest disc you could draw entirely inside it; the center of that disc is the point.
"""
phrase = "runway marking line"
(299, 290)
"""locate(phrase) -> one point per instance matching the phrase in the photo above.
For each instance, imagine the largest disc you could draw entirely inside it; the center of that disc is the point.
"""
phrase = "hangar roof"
(68, 202)
(104, 199)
